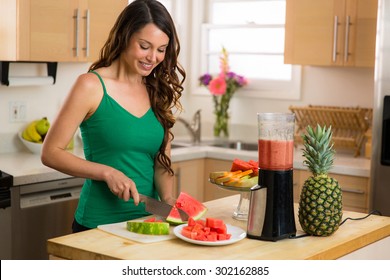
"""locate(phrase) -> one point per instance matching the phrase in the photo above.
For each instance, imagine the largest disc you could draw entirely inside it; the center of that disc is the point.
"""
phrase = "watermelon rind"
(174, 217)
(193, 208)
(151, 228)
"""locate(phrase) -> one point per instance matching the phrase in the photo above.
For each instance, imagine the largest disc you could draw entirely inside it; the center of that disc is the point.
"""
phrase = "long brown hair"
(163, 84)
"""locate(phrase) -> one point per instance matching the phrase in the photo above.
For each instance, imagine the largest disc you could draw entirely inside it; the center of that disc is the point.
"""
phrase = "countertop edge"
(351, 246)
(345, 242)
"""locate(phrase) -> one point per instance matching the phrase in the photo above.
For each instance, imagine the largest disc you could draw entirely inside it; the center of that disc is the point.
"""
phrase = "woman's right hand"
(122, 186)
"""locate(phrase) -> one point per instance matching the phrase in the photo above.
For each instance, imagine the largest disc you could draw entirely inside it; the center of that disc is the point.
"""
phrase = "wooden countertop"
(352, 235)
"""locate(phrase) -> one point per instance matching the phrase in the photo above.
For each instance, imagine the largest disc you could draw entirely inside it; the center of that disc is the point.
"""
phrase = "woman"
(123, 107)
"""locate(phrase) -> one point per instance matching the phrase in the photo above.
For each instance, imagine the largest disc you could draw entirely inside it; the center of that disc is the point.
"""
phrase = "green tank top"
(114, 137)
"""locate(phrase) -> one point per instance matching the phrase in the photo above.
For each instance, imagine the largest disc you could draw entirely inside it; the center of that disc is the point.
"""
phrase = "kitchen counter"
(27, 167)
(351, 236)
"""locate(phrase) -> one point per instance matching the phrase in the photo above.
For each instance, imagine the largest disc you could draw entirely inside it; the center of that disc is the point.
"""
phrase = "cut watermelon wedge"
(151, 228)
(194, 209)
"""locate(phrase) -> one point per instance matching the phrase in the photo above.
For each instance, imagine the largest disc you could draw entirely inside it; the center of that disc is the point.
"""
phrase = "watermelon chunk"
(210, 230)
(194, 209)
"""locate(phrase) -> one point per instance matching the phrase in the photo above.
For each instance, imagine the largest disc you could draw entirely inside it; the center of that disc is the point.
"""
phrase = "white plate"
(236, 232)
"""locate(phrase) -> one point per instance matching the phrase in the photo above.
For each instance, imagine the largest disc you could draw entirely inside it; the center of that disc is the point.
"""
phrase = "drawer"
(355, 189)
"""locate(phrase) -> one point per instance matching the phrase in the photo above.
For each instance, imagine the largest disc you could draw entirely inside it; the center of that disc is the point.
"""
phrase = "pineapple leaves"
(318, 149)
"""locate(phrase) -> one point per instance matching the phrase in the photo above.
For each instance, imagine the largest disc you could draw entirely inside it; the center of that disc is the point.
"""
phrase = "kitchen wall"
(320, 86)
(40, 101)
(330, 86)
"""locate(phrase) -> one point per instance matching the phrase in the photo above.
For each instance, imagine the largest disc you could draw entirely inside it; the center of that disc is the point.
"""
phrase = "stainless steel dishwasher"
(40, 211)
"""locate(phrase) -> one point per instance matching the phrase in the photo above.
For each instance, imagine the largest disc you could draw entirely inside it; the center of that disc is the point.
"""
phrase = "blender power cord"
(362, 218)
(348, 218)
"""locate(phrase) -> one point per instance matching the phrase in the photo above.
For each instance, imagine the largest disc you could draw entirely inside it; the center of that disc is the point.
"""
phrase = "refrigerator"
(380, 158)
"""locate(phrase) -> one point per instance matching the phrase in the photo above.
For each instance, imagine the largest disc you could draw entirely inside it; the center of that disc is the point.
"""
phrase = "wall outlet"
(17, 111)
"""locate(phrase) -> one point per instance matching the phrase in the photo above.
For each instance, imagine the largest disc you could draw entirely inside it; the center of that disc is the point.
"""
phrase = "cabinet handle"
(76, 18)
(335, 36)
(346, 46)
(87, 17)
(353, 191)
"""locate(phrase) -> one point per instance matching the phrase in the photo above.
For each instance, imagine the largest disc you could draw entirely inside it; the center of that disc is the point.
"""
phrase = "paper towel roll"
(30, 81)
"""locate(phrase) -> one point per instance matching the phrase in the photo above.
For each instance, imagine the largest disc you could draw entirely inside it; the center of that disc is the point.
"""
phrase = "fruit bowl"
(35, 148)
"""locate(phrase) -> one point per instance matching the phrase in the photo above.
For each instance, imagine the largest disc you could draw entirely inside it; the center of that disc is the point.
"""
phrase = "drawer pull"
(354, 191)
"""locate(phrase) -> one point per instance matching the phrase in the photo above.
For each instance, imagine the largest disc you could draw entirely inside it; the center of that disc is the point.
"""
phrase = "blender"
(271, 206)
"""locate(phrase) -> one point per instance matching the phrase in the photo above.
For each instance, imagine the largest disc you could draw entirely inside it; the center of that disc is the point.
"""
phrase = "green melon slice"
(152, 228)
(194, 209)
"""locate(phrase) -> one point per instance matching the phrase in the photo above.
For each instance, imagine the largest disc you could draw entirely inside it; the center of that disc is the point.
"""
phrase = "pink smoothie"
(276, 155)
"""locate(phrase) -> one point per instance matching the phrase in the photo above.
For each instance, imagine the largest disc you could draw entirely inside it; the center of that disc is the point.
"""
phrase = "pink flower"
(217, 86)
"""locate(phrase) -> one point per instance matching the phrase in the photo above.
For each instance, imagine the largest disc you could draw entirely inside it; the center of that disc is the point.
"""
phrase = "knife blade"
(160, 208)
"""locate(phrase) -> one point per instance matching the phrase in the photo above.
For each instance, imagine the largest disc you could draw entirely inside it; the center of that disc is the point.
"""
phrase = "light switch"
(17, 111)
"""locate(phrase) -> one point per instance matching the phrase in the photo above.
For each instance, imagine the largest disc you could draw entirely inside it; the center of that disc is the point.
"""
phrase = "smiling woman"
(123, 107)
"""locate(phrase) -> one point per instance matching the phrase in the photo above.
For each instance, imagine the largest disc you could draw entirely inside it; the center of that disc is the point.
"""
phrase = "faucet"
(193, 127)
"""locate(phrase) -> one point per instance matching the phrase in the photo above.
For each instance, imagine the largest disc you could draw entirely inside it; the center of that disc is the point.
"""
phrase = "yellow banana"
(26, 136)
(32, 132)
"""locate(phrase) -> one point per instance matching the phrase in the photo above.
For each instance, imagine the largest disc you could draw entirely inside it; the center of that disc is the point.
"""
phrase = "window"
(253, 34)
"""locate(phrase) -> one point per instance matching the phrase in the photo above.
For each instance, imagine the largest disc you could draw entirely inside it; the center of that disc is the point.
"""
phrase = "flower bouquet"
(222, 88)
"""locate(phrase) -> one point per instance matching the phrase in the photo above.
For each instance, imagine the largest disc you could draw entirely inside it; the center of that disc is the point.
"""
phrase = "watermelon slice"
(152, 228)
(239, 164)
(194, 209)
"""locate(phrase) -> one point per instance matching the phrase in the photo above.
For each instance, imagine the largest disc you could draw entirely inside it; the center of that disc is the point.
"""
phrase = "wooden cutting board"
(119, 229)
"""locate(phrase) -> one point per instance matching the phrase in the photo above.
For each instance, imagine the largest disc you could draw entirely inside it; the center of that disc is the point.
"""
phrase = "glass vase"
(221, 125)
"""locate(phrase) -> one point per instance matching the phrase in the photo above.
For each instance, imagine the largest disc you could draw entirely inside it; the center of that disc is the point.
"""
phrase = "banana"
(32, 132)
(26, 136)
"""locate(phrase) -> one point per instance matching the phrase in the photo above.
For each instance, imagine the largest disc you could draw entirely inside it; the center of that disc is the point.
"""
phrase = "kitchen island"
(351, 236)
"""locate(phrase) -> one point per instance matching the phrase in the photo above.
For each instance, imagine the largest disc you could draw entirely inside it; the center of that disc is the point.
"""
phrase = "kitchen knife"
(160, 208)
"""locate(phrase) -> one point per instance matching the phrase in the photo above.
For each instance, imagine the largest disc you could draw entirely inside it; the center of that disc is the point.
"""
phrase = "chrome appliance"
(380, 158)
(6, 182)
(37, 212)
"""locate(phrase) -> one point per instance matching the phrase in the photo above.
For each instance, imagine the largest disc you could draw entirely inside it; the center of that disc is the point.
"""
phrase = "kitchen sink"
(181, 145)
(236, 145)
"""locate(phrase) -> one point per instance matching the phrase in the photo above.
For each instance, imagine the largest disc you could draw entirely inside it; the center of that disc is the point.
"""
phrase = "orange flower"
(217, 86)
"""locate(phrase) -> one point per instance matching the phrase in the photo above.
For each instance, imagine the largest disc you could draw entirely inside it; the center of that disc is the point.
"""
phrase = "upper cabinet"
(331, 32)
(61, 30)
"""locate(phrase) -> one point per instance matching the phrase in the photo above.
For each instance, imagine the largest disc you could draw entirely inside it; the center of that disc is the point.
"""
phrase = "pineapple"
(320, 205)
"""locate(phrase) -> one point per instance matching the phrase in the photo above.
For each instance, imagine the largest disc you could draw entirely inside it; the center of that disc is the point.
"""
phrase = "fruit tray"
(349, 124)
(231, 188)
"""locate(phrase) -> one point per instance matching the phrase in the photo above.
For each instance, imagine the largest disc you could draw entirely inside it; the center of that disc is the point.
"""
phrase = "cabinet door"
(297, 185)
(63, 31)
(361, 48)
(102, 16)
(310, 31)
(189, 178)
(331, 33)
(49, 36)
(212, 191)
